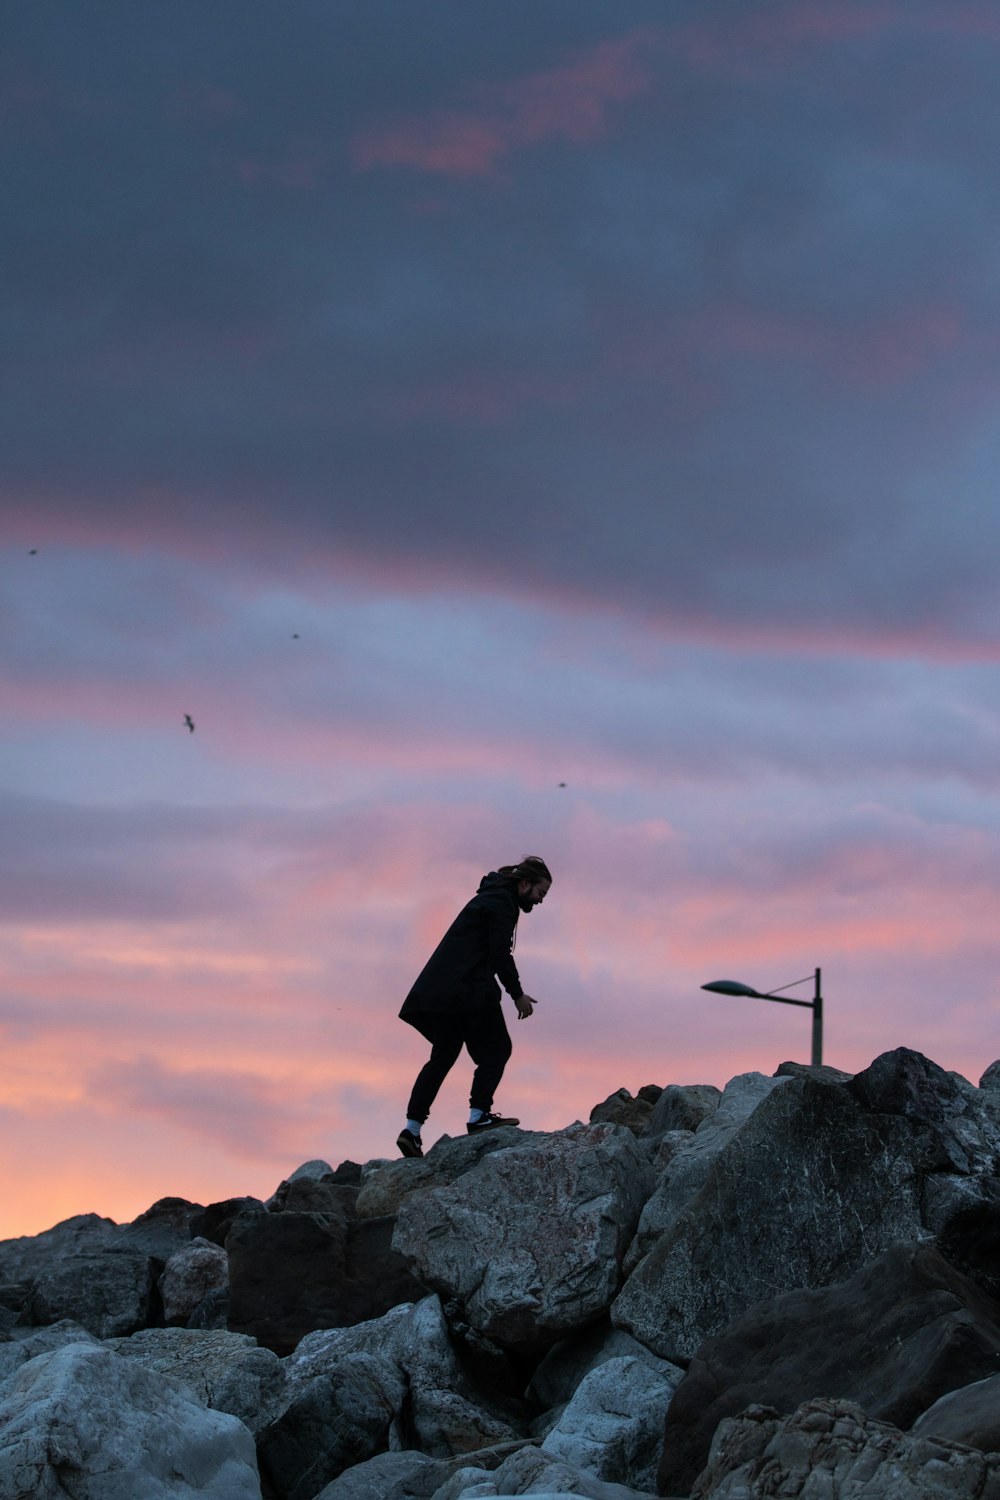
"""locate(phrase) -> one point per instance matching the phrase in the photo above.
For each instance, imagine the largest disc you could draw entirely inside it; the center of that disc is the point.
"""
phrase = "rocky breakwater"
(789, 1286)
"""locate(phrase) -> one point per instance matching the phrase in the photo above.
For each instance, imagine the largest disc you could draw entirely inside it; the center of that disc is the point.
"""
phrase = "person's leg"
(446, 1037)
(488, 1042)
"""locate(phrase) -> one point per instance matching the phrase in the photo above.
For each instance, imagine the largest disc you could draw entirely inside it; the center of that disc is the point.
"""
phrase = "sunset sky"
(440, 401)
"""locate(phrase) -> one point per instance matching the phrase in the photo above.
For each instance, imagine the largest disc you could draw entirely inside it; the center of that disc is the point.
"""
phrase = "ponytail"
(532, 867)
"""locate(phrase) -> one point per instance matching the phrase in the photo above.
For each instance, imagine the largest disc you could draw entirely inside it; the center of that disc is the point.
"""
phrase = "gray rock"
(831, 1450)
(315, 1170)
(83, 1422)
(315, 1188)
(613, 1425)
(409, 1474)
(621, 1109)
(902, 1331)
(822, 1072)
(162, 1229)
(532, 1472)
(29, 1256)
(190, 1275)
(947, 1130)
(688, 1168)
(109, 1293)
(215, 1221)
(810, 1189)
(566, 1363)
(291, 1273)
(332, 1422)
(386, 1184)
(212, 1313)
(683, 1107)
(661, 1149)
(445, 1414)
(27, 1343)
(970, 1415)
(531, 1242)
(226, 1371)
(991, 1078)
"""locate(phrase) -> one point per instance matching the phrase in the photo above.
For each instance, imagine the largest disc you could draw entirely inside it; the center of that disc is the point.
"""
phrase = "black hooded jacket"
(459, 975)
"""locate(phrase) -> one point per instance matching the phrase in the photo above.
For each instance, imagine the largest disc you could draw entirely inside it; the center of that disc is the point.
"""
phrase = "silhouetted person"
(455, 1001)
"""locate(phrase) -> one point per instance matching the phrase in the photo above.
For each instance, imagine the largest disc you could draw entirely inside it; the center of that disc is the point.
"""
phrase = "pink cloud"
(885, 351)
(759, 41)
(571, 102)
(298, 170)
(208, 1059)
(192, 103)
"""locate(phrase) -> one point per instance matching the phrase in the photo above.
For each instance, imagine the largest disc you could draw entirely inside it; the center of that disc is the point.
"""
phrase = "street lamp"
(733, 987)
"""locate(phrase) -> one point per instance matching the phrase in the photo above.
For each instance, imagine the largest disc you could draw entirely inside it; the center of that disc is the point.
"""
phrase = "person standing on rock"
(455, 1001)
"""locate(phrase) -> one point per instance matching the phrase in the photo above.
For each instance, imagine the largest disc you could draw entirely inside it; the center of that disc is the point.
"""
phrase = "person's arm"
(501, 921)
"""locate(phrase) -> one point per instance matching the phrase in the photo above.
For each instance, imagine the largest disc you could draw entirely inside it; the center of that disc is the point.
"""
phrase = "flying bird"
(562, 783)
(32, 551)
(295, 636)
(189, 723)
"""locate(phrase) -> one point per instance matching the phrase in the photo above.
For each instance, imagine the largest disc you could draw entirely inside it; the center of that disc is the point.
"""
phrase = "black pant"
(483, 1032)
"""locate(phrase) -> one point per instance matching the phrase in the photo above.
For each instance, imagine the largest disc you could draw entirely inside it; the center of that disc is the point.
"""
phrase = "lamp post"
(733, 987)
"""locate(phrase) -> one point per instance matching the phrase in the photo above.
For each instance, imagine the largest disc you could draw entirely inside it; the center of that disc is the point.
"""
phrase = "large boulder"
(291, 1273)
(162, 1229)
(109, 1292)
(684, 1107)
(83, 1422)
(226, 1371)
(23, 1344)
(531, 1472)
(215, 1221)
(316, 1188)
(819, 1181)
(192, 1273)
(896, 1336)
(832, 1450)
(386, 1184)
(404, 1475)
(970, 1415)
(91, 1270)
(620, 1108)
(340, 1418)
(566, 1364)
(714, 1119)
(531, 1242)
(26, 1258)
(445, 1413)
(613, 1425)
(409, 1474)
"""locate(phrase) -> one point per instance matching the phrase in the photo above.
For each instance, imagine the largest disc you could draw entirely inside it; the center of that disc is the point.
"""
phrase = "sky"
(560, 427)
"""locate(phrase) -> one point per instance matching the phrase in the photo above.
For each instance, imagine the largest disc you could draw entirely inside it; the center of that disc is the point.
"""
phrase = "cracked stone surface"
(531, 1242)
(821, 1179)
(82, 1421)
(831, 1450)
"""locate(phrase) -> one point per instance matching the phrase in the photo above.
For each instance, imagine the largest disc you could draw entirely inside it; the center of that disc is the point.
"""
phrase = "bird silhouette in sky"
(32, 551)
(189, 723)
(295, 636)
(562, 783)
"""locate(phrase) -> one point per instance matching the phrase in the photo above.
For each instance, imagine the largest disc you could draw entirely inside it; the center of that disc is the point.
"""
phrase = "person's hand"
(525, 1005)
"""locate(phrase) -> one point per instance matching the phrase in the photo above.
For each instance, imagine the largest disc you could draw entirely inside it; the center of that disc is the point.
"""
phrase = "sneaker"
(409, 1144)
(490, 1122)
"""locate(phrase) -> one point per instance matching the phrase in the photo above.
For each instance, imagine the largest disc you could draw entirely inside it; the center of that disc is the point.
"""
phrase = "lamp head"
(732, 987)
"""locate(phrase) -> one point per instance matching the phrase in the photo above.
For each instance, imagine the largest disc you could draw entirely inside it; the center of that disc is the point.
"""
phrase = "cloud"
(249, 1115)
(626, 423)
(568, 102)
